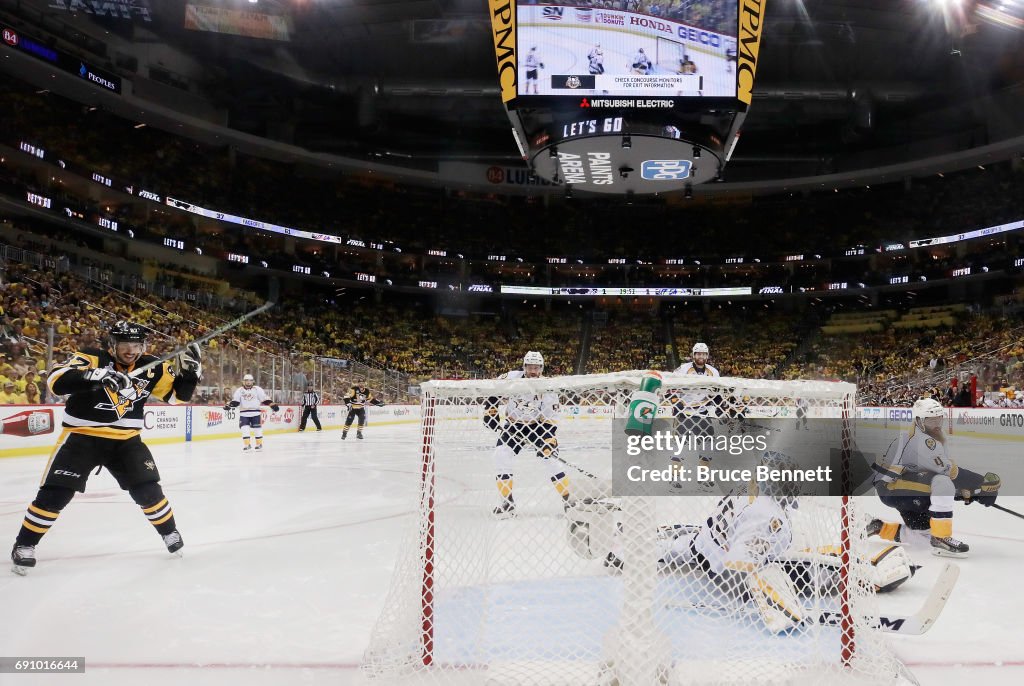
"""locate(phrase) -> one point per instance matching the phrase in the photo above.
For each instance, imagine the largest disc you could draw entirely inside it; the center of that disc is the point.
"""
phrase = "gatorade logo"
(644, 412)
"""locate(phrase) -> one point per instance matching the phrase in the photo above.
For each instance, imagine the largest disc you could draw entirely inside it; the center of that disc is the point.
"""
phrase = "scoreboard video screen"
(575, 50)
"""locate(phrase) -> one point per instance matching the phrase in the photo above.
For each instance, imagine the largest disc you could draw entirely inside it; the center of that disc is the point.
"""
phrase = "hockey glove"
(227, 407)
(986, 493)
(275, 407)
(113, 381)
(491, 419)
(190, 361)
(541, 65)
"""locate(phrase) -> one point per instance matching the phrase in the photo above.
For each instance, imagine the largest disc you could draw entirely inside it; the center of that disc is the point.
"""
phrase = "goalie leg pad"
(772, 591)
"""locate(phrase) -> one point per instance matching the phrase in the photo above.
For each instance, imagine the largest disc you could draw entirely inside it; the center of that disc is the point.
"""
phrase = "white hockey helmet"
(248, 381)
(700, 348)
(927, 407)
(533, 357)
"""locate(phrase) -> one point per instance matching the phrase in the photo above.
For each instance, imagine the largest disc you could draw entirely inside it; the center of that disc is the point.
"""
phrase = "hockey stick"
(922, 620)
(579, 469)
(1007, 510)
(910, 625)
(271, 301)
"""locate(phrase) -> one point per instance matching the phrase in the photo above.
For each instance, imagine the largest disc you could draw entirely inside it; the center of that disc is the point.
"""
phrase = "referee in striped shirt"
(310, 399)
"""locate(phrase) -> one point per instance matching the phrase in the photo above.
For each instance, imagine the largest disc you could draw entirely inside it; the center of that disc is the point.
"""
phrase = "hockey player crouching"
(917, 477)
(529, 420)
(746, 549)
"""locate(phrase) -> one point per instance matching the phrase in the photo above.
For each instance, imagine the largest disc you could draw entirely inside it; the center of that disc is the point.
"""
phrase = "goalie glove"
(110, 379)
(190, 360)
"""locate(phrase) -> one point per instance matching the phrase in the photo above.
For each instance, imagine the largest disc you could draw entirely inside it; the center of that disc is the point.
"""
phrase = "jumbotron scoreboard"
(614, 101)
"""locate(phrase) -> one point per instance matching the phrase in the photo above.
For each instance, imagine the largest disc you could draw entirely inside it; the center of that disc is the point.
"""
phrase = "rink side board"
(179, 423)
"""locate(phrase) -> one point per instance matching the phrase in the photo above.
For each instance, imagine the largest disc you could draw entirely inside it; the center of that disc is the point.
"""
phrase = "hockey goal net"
(576, 587)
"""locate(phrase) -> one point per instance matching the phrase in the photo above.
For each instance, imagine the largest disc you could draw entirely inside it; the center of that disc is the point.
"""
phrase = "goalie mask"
(248, 381)
(127, 342)
(533, 364)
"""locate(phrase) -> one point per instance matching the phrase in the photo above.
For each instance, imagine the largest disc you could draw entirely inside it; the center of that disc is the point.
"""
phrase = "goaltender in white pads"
(746, 547)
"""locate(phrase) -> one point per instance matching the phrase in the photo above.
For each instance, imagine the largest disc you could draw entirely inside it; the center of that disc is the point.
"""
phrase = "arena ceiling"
(841, 84)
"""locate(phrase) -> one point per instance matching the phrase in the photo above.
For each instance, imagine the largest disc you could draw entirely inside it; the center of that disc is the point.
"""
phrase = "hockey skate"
(174, 543)
(949, 547)
(259, 447)
(874, 527)
(507, 509)
(246, 448)
(24, 558)
(344, 435)
(359, 435)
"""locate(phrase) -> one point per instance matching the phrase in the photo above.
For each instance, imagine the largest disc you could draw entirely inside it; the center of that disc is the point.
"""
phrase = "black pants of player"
(307, 412)
(356, 413)
(695, 425)
(129, 461)
(909, 497)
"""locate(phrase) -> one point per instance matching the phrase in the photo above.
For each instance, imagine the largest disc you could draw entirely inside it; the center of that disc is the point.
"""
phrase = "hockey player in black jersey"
(356, 400)
(103, 420)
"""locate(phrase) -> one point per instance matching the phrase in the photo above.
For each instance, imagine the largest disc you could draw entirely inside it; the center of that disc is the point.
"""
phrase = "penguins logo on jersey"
(123, 401)
(930, 442)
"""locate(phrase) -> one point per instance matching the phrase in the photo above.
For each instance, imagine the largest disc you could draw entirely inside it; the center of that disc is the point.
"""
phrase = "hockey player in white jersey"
(918, 478)
(248, 398)
(533, 63)
(596, 59)
(530, 420)
(747, 548)
(696, 410)
(641, 62)
(730, 56)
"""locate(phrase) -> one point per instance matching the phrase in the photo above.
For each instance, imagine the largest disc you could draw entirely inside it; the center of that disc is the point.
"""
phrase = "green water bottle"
(643, 406)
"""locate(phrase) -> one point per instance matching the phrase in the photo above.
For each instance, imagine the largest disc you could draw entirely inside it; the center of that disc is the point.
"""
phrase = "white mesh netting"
(571, 584)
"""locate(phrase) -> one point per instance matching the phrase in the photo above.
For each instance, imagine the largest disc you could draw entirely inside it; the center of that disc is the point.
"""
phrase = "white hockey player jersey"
(743, 534)
(914, 451)
(696, 401)
(530, 408)
(249, 400)
(532, 61)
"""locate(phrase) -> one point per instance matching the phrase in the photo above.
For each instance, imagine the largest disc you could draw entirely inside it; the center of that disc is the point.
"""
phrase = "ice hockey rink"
(289, 554)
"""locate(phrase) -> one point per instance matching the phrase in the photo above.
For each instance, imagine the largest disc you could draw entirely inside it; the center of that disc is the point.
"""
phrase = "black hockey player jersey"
(359, 397)
(94, 410)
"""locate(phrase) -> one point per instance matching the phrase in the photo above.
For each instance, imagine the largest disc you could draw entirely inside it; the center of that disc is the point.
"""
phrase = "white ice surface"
(289, 554)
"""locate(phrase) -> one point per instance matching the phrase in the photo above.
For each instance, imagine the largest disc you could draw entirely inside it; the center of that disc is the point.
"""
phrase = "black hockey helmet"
(126, 331)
